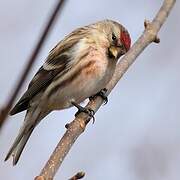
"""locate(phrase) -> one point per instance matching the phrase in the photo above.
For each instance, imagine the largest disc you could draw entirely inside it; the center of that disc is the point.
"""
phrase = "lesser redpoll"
(77, 68)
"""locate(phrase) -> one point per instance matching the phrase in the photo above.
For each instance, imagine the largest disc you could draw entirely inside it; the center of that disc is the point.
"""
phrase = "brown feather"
(56, 64)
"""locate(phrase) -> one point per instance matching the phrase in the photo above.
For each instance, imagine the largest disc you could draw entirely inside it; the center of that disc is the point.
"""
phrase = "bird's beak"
(113, 52)
(116, 52)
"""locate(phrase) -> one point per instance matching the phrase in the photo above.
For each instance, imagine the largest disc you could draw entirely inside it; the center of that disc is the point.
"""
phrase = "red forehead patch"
(126, 40)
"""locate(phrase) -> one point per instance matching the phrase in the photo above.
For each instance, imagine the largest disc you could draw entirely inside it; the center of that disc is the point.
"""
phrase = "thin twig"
(77, 176)
(4, 111)
(78, 125)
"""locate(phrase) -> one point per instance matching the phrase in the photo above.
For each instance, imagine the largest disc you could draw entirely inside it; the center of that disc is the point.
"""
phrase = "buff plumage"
(78, 67)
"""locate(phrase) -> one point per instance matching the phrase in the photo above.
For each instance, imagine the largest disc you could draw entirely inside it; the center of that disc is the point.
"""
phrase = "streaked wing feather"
(40, 81)
(66, 47)
(56, 63)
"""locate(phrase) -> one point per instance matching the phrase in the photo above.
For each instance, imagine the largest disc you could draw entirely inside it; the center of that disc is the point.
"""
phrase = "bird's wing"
(40, 81)
(57, 63)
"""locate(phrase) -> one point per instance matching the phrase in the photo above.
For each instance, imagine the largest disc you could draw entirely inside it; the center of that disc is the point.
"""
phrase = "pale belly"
(86, 84)
(78, 91)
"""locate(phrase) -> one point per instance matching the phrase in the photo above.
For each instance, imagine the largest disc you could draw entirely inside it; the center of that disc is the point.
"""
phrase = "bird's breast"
(88, 78)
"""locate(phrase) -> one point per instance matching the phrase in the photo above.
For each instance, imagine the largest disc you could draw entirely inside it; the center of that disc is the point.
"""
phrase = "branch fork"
(150, 29)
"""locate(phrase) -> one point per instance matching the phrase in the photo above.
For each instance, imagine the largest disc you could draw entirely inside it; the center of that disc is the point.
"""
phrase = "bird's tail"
(33, 117)
(19, 144)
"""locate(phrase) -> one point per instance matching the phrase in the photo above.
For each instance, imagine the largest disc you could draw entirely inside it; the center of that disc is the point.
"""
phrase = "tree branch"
(77, 176)
(5, 110)
(78, 125)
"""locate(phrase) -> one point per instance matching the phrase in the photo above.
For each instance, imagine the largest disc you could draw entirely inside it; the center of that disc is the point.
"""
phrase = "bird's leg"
(88, 111)
(101, 93)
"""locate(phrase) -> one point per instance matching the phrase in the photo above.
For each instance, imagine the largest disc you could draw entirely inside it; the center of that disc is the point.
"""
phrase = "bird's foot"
(88, 111)
(103, 95)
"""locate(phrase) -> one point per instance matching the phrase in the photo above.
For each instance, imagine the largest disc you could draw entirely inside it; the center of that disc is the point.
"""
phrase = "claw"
(91, 113)
(88, 111)
(101, 93)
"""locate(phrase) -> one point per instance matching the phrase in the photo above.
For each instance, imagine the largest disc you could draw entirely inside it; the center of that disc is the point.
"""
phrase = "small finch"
(77, 68)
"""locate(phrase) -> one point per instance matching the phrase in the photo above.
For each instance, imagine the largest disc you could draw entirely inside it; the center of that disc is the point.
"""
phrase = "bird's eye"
(113, 37)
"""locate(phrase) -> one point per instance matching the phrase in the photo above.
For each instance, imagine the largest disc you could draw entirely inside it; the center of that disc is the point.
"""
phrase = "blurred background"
(136, 136)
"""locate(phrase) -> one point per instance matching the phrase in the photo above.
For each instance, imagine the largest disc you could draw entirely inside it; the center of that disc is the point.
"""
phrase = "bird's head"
(118, 38)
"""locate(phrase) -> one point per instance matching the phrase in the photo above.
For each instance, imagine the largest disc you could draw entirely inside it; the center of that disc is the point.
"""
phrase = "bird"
(77, 68)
